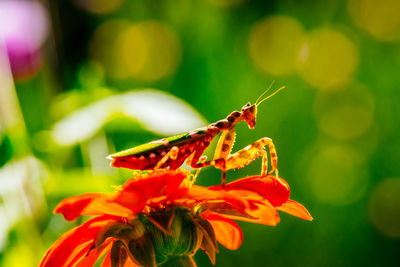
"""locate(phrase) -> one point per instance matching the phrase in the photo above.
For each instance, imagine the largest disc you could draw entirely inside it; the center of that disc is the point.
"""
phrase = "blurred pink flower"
(24, 27)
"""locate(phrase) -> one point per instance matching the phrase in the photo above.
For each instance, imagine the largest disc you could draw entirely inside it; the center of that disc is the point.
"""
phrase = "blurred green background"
(74, 87)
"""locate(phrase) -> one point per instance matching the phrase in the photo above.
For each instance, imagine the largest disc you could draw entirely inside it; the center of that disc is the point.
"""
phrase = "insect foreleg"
(264, 166)
(225, 144)
(172, 154)
(222, 151)
(196, 159)
(201, 160)
(198, 162)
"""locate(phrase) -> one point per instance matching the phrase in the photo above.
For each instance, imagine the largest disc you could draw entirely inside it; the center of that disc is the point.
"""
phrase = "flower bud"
(182, 238)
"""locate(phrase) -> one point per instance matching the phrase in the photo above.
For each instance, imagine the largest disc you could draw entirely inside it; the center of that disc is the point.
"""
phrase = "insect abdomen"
(138, 161)
(148, 160)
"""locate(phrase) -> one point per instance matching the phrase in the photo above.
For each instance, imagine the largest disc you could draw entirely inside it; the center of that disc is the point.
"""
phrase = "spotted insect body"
(146, 156)
(171, 152)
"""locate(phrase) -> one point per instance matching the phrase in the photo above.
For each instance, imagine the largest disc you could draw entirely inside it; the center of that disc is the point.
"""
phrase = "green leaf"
(155, 110)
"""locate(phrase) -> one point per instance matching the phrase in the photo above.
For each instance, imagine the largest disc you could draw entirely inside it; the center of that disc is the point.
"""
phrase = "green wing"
(176, 140)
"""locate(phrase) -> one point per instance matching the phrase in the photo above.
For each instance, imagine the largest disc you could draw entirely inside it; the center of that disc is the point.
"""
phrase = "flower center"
(168, 237)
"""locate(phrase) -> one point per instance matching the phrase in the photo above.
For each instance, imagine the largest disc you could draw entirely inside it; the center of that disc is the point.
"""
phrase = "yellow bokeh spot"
(146, 51)
(99, 6)
(13, 255)
(344, 114)
(327, 59)
(102, 47)
(131, 50)
(163, 51)
(379, 18)
(384, 207)
(274, 44)
(337, 175)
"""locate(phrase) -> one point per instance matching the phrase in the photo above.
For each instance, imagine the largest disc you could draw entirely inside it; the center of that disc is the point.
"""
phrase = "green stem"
(182, 261)
(11, 116)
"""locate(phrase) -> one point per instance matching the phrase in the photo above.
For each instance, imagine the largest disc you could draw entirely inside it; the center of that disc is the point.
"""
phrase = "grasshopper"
(171, 152)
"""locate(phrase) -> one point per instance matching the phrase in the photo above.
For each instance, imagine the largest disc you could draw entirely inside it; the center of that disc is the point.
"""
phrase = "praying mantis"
(171, 152)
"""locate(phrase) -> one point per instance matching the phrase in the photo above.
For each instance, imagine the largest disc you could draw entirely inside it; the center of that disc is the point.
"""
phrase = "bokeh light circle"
(379, 18)
(146, 51)
(327, 59)
(274, 44)
(131, 50)
(337, 175)
(102, 47)
(344, 114)
(384, 207)
(155, 47)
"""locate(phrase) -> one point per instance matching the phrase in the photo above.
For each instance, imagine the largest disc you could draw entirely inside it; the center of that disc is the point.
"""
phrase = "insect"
(171, 152)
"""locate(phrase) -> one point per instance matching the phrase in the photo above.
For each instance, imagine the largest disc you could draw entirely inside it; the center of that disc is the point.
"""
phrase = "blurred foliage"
(71, 92)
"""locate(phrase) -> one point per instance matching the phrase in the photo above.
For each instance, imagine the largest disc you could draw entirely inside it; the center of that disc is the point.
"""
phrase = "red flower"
(164, 218)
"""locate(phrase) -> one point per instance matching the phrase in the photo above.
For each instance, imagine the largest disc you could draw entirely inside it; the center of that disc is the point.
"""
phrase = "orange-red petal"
(199, 194)
(74, 242)
(90, 258)
(296, 209)
(156, 183)
(154, 188)
(90, 204)
(80, 252)
(227, 232)
(275, 190)
(107, 262)
(263, 211)
(130, 263)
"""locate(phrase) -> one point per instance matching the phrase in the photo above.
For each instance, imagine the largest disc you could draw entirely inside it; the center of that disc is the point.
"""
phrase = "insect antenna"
(266, 91)
(271, 95)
